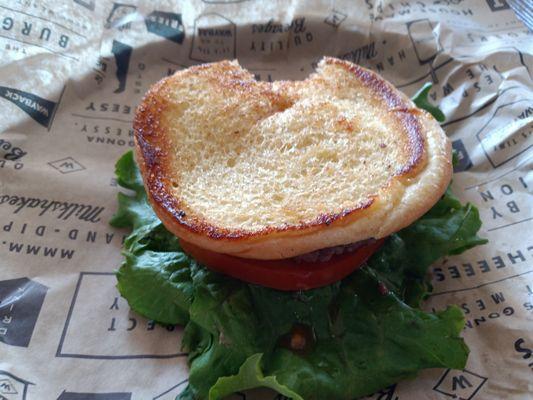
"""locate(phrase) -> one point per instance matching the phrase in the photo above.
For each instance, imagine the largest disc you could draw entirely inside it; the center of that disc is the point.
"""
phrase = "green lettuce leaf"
(365, 332)
(250, 376)
(157, 285)
(376, 340)
(448, 228)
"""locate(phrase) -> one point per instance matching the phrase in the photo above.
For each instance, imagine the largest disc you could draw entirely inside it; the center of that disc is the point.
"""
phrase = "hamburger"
(289, 227)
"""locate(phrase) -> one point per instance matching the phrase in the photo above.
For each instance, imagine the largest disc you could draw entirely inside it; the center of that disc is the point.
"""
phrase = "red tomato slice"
(286, 274)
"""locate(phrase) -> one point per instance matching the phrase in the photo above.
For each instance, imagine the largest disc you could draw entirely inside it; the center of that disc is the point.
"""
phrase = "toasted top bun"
(271, 170)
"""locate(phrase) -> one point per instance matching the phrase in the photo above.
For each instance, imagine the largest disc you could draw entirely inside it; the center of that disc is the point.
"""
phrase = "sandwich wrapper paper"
(71, 75)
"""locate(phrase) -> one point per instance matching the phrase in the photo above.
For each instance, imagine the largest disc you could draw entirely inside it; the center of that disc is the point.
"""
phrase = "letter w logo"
(462, 385)
(460, 381)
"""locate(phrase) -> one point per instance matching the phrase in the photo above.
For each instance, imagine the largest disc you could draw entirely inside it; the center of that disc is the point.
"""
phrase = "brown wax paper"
(71, 74)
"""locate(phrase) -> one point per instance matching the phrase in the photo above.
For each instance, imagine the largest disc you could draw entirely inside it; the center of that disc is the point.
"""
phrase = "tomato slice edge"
(285, 274)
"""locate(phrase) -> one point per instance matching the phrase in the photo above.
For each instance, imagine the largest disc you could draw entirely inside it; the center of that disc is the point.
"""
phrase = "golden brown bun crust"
(274, 170)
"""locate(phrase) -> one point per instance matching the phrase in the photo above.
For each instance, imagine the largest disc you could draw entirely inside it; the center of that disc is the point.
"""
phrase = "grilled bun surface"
(271, 170)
